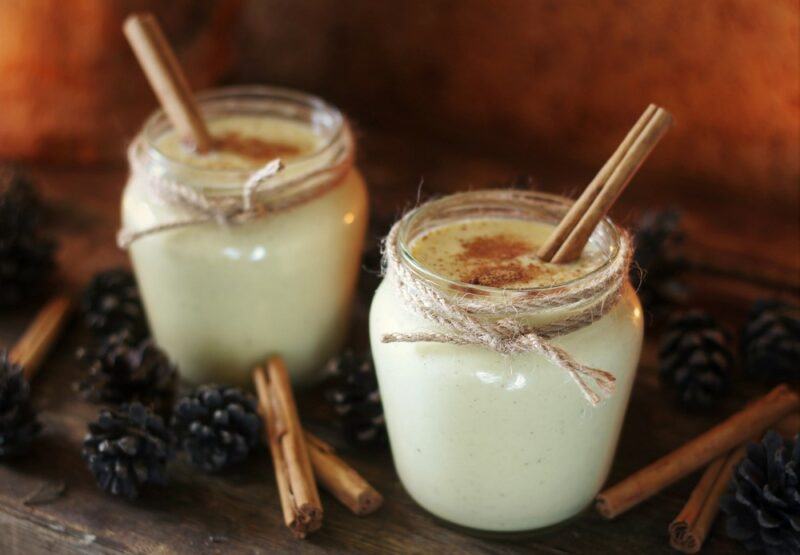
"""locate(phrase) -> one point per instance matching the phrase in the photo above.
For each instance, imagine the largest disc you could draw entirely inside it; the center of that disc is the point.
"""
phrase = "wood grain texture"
(239, 511)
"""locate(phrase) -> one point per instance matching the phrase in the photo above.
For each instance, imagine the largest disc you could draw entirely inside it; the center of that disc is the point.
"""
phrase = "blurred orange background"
(557, 80)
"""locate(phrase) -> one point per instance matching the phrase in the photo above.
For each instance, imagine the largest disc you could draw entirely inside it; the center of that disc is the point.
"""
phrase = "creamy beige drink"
(244, 143)
(222, 295)
(489, 441)
(496, 252)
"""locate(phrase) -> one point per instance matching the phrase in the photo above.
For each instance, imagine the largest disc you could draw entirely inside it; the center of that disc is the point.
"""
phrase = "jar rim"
(225, 98)
(518, 202)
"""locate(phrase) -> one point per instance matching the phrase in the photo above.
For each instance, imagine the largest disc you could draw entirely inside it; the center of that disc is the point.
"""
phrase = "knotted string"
(236, 207)
(477, 320)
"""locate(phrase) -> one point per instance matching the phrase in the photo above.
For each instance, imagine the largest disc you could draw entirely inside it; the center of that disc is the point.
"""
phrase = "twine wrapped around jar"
(258, 196)
(483, 321)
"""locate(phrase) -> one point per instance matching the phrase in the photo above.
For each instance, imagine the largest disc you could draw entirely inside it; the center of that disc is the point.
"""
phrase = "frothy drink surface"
(243, 143)
(497, 252)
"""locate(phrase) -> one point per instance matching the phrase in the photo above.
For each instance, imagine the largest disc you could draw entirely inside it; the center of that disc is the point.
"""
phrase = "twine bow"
(241, 205)
(204, 209)
(477, 321)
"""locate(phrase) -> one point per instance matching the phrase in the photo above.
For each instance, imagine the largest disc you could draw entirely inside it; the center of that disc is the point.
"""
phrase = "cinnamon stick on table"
(687, 532)
(302, 508)
(31, 349)
(695, 454)
(689, 529)
(341, 480)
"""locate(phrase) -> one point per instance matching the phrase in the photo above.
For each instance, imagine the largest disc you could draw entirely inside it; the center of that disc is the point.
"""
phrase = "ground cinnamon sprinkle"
(498, 253)
(499, 275)
(254, 148)
(495, 247)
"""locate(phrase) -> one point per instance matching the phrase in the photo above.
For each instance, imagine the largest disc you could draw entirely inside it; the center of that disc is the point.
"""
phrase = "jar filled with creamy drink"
(238, 256)
(504, 379)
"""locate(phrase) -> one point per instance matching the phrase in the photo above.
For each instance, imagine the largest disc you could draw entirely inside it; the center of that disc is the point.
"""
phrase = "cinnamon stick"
(167, 78)
(695, 454)
(623, 172)
(300, 502)
(32, 348)
(689, 529)
(683, 533)
(576, 211)
(340, 479)
(790, 425)
(267, 411)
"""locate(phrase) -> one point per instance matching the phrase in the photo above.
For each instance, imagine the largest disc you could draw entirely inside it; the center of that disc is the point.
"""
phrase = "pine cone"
(355, 397)
(217, 426)
(18, 423)
(20, 207)
(763, 503)
(659, 261)
(127, 449)
(26, 256)
(122, 369)
(771, 341)
(26, 265)
(111, 304)
(695, 355)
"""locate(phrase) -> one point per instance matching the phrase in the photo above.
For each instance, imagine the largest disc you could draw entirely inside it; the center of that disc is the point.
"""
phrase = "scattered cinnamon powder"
(255, 148)
(495, 247)
(500, 275)
(489, 250)
(494, 253)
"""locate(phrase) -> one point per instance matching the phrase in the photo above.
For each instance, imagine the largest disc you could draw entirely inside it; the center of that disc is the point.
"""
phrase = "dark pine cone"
(18, 423)
(217, 426)
(659, 261)
(127, 449)
(20, 207)
(695, 355)
(355, 397)
(771, 341)
(122, 369)
(26, 257)
(112, 304)
(763, 504)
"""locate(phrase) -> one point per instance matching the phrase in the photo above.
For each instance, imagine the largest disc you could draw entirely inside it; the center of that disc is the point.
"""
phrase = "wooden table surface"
(753, 245)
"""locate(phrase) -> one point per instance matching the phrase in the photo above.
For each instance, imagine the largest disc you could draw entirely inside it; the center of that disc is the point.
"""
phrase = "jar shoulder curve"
(628, 315)
(355, 180)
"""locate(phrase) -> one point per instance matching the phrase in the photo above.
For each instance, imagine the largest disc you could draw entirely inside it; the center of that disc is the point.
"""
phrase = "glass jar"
(221, 296)
(501, 443)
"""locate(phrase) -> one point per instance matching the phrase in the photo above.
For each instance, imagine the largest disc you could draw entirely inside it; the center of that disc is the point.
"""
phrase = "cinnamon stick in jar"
(300, 502)
(166, 77)
(695, 454)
